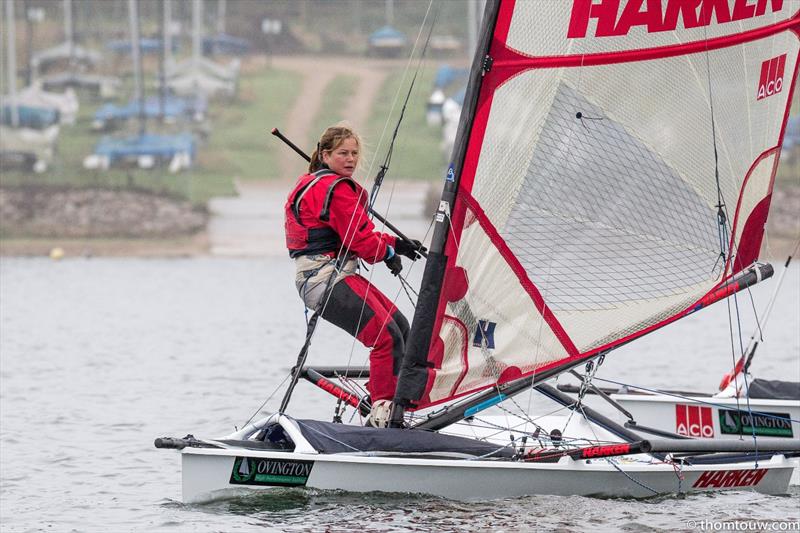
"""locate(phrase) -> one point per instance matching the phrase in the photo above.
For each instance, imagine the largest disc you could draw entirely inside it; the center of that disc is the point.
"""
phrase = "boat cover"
(223, 43)
(328, 437)
(172, 107)
(147, 144)
(387, 36)
(146, 45)
(774, 389)
(34, 117)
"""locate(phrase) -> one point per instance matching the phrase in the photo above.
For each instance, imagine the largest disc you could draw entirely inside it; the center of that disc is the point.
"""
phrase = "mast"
(162, 76)
(133, 12)
(389, 4)
(413, 372)
(221, 16)
(197, 18)
(28, 43)
(11, 35)
(68, 29)
(167, 13)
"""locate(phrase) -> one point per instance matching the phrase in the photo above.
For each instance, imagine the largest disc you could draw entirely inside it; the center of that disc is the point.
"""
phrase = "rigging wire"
(388, 159)
(768, 309)
(722, 214)
(540, 435)
(381, 174)
(403, 282)
(613, 463)
(342, 254)
(725, 256)
(387, 162)
(267, 400)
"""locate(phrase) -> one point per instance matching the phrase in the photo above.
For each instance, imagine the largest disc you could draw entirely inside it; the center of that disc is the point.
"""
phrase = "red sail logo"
(771, 81)
(694, 421)
(730, 478)
(658, 15)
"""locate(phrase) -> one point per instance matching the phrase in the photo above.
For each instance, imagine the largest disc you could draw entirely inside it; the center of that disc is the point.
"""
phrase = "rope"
(393, 300)
(343, 253)
(744, 375)
(591, 370)
(566, 440)
(388, 159)
(267, 400)
(382, 172)
(722, 215)
(623, 472)
(725, 255)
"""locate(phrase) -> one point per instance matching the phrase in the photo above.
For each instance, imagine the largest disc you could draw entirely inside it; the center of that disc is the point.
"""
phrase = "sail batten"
(583, 212)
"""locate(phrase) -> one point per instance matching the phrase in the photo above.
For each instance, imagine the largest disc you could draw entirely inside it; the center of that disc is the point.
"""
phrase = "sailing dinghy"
(612, 174)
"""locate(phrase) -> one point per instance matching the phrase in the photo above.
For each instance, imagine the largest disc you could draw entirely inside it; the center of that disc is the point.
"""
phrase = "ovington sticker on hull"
(767, 424)
(270, 472)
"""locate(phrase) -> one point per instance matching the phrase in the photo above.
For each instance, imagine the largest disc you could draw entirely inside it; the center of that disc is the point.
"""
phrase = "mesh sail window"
(605, 137)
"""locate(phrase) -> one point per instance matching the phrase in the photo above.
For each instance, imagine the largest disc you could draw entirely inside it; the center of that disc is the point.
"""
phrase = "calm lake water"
(100, 356)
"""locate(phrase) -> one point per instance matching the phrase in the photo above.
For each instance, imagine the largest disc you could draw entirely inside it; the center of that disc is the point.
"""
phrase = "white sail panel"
(663, 103)
(517, 339)
(519, 109)
(590, 330)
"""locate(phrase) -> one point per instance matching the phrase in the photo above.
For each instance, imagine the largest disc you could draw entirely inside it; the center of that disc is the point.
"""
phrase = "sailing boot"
(379, 416)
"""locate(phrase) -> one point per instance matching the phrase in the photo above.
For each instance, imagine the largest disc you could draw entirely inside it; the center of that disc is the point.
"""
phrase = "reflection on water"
(315, 510)
(100, 356)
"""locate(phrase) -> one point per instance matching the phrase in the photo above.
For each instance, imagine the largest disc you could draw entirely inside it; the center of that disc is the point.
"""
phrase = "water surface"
(100, 356)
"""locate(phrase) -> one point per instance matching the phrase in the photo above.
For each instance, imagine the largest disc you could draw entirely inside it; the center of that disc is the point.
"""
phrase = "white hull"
(213, 473)
(707, 418)
(207, 476)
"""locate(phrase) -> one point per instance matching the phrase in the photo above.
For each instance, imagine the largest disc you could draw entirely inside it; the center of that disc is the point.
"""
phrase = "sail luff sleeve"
(414, 374)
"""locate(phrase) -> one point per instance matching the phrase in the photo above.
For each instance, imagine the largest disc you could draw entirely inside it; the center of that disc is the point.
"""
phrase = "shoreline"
(196, 245)
(250, 225)
(775, 249)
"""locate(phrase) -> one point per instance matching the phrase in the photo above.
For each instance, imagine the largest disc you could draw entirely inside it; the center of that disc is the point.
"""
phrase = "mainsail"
(613, 171)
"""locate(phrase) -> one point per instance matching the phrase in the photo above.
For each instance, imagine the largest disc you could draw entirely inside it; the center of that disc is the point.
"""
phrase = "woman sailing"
(327, 231)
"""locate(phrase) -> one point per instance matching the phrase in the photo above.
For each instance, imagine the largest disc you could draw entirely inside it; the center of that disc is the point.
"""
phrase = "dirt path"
(317, 74)
(252, 223)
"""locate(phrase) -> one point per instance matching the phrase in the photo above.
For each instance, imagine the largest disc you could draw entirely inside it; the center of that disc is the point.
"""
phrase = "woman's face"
(342, 159)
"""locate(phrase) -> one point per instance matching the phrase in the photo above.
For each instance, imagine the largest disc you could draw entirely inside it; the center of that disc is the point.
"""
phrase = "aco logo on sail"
(660, 16)
(771, 80)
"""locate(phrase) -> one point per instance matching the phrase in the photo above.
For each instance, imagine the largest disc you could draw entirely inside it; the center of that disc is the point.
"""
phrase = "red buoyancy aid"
(317, 221)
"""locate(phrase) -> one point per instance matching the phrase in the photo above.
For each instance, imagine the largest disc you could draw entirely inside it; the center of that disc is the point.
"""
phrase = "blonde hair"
(331, 139)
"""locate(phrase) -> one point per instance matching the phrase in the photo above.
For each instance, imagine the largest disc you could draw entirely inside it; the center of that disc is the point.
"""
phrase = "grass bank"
(334, 102)
(235, 144)
(417, 154)
(241, 146)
